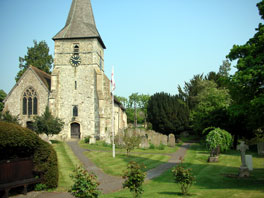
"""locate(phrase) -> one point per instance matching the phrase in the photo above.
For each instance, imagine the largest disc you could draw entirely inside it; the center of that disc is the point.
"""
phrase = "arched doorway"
(75, 131)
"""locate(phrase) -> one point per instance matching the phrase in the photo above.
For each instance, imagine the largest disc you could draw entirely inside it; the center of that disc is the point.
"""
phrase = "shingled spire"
(80, 23)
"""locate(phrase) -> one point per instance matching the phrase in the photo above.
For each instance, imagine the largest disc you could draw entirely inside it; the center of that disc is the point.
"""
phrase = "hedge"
(19, 142)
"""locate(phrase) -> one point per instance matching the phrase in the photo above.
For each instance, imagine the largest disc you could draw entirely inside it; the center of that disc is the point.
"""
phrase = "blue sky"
(154, 45)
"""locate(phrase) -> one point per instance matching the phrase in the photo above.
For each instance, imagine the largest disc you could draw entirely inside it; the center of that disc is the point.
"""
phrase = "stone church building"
(77, 91)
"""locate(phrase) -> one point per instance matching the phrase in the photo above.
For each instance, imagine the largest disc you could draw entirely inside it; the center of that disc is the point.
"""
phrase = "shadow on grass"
(176, 193)
(217, 175)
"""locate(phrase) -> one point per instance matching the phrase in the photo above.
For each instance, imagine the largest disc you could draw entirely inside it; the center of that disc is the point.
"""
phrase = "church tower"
(80, 91)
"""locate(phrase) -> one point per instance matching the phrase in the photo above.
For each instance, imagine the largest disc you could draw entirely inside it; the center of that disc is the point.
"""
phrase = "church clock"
(75, 60)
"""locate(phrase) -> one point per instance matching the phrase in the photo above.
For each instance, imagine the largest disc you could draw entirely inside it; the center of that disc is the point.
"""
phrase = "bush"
(161, 147)
(218, 139)
(85, 184)
(134, 179)
(151, 146)
(184, 178)
(87, 139)
(19, 142)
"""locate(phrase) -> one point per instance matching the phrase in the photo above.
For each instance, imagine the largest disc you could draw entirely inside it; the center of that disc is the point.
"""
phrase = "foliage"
(7, 117)
(2, 97)
(87, 139)
(40, 187)
(212, 106)
(218, 139)
(247, 88)
(18, 142)
(161, 147)
(134, 179)
(37, 56)
(85, 184)
(47, 123)
(151, 146)
(167, 114)
(131, 142)
(184, 178)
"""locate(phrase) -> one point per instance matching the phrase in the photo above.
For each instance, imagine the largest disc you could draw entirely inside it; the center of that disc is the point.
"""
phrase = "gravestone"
(261, 148)
(249, 162)
(243, 170)
(144, 143)
(171, 142)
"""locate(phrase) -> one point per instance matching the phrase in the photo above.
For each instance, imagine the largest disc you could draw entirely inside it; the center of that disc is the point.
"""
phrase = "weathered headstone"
(260, 148)
(171, 140)
(249, 162)
(144, 143)
(243, 170)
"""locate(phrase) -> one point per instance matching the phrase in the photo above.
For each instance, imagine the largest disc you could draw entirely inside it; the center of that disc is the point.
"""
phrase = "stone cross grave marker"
(243, 168)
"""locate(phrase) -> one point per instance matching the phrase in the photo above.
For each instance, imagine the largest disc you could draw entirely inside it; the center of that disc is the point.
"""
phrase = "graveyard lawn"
(101, 146)
(215, 180)
(67, 162)
(117, 166)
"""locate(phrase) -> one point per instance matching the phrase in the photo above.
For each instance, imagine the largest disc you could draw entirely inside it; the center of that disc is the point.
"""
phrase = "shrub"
(161, 147)
(218, 139)
(151, 146)
(19, 142)
(134, 178)
(87, 139)
(85, 184)
(7, 117)
(184, 178)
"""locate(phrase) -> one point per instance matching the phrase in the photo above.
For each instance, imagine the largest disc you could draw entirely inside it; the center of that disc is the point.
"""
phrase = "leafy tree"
(85, 184)
(167, 114)
(123, 101)
(131, 142)
(248, 81)
(134, 179)
(2, 97)
(143, 104)
(47, 123)
(212, 106)
(191, 90)
(7, 117)
(37, 56)
(134, 100)
(218, 139)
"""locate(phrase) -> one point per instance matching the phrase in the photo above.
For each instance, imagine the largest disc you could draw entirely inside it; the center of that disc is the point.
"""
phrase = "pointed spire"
(80, 23)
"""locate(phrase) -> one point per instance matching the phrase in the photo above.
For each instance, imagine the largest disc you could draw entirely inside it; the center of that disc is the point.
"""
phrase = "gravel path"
(109, 183)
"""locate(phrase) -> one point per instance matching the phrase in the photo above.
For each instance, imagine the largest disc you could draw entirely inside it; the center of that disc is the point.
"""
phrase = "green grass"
(117, 165)
(212, 179)
(67, 162)
(101, 146)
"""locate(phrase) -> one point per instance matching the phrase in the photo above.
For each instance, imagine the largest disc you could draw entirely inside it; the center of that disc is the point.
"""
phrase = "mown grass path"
(110, 183)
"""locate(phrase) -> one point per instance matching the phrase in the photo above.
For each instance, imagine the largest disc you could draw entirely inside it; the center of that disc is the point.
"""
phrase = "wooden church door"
(75, 131)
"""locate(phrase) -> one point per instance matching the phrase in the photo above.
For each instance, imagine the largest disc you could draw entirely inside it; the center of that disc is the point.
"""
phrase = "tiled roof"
(44, 77)
(80, 23)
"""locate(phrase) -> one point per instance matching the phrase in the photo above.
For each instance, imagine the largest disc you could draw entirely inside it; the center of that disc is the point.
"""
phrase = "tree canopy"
(2, 97)
(37, 56)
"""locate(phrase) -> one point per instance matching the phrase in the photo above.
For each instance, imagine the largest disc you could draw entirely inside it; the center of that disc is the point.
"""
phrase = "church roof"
(44, 77)
(80, 23)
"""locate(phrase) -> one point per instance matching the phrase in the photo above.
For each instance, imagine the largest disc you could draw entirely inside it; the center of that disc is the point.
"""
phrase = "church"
(77, 91)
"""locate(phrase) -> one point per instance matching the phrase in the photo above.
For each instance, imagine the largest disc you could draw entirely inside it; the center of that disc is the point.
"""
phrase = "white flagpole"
(113, 106)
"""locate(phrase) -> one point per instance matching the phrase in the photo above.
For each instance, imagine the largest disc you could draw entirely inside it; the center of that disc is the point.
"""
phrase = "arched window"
(30, 102)
(75, 111)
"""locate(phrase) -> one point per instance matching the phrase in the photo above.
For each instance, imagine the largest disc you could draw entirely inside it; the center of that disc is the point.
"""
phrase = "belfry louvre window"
(30, 102)
(76, 49)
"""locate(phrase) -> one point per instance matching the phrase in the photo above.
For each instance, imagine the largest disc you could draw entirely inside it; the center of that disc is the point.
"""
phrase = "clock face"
(75, 60)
